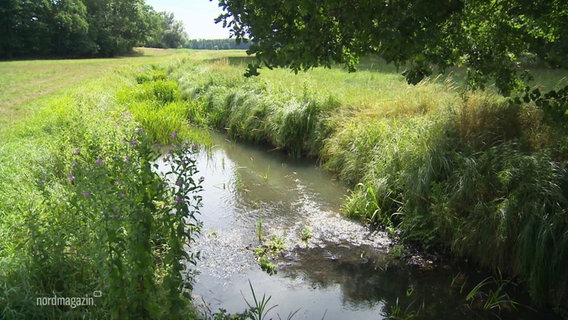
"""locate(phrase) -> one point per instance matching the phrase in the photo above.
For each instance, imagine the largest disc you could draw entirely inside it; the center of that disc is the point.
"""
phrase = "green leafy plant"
(259, 308)
(266, 251)
(305, 234)
(397, 312)
(266, 265)
(276, 244)
(493, 299)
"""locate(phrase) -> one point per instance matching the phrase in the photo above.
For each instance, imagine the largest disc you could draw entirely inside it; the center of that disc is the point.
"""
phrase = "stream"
(343, 270)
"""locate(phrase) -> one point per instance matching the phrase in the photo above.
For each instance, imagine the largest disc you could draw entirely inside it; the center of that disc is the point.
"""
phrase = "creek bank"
(481, 176)
(343, 266)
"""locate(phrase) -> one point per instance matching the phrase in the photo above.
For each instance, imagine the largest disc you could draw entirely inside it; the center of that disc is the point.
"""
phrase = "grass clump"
(251, 110)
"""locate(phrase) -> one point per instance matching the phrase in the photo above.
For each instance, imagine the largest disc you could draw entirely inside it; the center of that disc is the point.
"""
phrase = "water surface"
(343, 271)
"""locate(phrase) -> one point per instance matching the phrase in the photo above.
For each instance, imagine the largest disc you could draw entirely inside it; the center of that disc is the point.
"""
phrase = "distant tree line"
(77, 28)
(216, 44)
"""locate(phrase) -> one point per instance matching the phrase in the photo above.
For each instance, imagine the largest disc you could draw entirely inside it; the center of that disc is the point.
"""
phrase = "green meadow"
(473, 173)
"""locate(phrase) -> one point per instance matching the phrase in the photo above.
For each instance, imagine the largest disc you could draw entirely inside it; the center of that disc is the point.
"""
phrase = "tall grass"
(468, 171)
(83, 212)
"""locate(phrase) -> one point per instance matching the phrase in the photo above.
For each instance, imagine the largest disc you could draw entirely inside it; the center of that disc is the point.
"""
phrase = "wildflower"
(74, 165)
(77, 152)
(70, 177)
(42, 181)
(133, 142)
(99, 161)
(179, 183)
(126, 159)
(87, 194)
(179, 200)
(201, 179)
(174, 134)
(122, 195)
(137, 132)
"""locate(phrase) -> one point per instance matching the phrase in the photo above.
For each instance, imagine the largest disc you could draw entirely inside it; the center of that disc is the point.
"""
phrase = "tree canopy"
(487, 37)
(32, 28)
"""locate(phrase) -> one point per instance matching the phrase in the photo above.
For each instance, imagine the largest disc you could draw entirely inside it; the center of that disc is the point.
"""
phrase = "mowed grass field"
(25, 81)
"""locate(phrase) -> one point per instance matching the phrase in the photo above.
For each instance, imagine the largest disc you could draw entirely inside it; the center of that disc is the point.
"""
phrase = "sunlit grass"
(23, 82)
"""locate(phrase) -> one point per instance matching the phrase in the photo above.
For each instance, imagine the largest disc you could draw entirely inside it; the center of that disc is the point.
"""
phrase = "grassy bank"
(467, 171)
(82, 210)
(83, 214)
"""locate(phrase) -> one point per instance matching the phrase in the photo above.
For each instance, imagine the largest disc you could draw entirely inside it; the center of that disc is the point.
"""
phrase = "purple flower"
(70, 177)
(133, 142)
(99, 161)
(74, 165)
(77, 152)
(122, 195)
(137, 132)
(174, 135)
(201, 179)
(42, 181)
(179, 183)
(87, 194)
(126, 159)
(179, 200)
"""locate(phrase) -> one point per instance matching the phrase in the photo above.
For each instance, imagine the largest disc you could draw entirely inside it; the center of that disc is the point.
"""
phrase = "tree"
(116, 26)
(166, 31)
(63, 28)
(9, 11)
(25, 27)
(485, 36)
(70, 29)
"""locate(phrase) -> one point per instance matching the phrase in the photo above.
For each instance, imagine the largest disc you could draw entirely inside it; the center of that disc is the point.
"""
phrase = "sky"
(197, 16)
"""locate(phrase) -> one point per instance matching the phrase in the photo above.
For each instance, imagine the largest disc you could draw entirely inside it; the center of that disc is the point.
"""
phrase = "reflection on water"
(342, 272)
